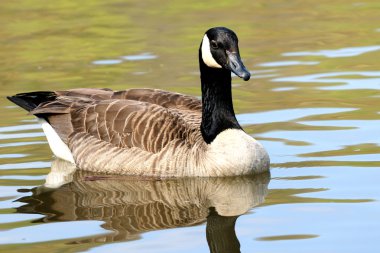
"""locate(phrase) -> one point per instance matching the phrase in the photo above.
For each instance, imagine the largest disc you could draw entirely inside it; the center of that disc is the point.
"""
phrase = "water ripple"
(139, 57)
(20, 136)
(342, 52)
(51, 231)
(287, 63)
(20, 144)
(371, 82)
(4, 156)
(285, 89)
(23, 177)
(20, 128)
(107, 62)
(8, 218)
(359, 132)
(286, 115)
(26, 165)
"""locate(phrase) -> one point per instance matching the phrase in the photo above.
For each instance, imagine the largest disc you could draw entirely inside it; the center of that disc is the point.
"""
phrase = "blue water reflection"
(334, 53)
(337, 80)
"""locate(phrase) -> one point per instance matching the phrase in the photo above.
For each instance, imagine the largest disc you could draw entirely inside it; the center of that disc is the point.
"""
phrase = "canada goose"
(156, 133)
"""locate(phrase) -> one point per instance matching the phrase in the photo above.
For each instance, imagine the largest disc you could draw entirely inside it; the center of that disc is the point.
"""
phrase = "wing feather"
(147, 119)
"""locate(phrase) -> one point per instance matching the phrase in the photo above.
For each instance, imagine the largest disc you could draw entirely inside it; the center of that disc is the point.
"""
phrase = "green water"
(313, 102)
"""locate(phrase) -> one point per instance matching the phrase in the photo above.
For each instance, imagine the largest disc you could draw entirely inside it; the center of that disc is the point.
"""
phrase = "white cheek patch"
(206, 54)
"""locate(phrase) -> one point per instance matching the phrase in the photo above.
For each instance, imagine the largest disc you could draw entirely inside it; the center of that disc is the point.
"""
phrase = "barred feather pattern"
(145, 132)
(141, 132)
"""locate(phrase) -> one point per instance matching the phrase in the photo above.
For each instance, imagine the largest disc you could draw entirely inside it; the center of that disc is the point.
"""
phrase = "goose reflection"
(131, 206)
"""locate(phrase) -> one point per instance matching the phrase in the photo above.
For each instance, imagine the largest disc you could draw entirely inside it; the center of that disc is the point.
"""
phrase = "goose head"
(220, 50)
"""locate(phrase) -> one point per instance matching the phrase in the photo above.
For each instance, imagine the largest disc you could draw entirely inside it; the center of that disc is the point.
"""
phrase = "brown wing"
(121, 122)
(163, 98)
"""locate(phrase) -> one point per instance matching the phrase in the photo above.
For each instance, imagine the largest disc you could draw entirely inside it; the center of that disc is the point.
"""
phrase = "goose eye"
(214, 45)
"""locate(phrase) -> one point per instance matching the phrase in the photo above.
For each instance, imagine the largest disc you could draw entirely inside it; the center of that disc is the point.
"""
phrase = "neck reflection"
(220, 233)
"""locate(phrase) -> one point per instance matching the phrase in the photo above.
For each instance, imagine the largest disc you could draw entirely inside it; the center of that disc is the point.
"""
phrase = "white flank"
(206, 54)
(57, 146)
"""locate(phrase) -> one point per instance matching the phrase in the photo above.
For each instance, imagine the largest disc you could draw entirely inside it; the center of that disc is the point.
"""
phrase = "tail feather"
(55, 123)
(31, 100)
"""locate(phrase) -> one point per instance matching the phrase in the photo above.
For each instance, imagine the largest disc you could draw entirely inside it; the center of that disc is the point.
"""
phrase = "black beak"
(236, 66)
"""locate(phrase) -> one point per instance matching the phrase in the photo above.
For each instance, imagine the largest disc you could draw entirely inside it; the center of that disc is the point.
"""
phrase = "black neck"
(217, 109)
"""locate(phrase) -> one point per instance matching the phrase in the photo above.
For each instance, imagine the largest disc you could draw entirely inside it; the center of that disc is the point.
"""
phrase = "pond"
(312, 101)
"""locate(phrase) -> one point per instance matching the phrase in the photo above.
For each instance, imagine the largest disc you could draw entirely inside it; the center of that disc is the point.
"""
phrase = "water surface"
(313, 102)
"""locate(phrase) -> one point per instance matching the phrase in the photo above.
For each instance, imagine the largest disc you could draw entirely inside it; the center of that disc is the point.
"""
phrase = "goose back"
(142, 130)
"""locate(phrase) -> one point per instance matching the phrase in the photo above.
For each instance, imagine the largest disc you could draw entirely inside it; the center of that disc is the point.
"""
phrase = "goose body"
(151, 132)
